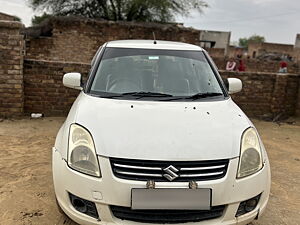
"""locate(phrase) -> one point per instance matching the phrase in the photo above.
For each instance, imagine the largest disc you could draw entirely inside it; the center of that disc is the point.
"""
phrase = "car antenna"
(154, 42)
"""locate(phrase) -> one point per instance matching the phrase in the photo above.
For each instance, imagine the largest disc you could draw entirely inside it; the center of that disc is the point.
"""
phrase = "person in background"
(242, 66)
(283, 67)
(231, 65)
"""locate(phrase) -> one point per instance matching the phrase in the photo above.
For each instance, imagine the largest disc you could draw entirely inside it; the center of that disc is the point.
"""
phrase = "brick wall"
(234, 51)
(4, 16)
(296, 55)
(216, 52)
(73, 42)
(267, 94)
(263, 93)
(72, 39)
(44, 91)
(77, 40)
(11, 68)
(255, 65)
(298, 103)
(261, 48)
(289, 94)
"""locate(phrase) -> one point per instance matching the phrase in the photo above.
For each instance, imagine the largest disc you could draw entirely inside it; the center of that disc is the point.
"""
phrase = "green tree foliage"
(129, 10)
(243, 42)
(38, 19)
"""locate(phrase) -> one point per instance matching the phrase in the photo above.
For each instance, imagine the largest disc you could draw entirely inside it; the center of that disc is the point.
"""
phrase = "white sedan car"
(155, 138)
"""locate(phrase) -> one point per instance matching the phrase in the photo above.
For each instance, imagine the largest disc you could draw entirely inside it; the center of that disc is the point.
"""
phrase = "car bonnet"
(153, 130)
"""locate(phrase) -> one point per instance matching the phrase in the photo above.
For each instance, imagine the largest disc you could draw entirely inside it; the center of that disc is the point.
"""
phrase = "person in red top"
(242, 66)
(283, 67)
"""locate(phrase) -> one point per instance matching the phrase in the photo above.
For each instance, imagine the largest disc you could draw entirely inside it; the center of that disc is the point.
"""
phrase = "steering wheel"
(123, 85)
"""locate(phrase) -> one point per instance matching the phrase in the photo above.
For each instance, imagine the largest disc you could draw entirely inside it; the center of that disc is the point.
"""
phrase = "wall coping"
(259, 73)
(70, 20)
(56, 21)
(11, 24)
(34, 61)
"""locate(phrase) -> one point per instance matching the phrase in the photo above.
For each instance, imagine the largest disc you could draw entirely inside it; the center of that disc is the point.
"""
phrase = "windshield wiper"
(146, 94)
(203, 95)
(141, 94)
(108, 96)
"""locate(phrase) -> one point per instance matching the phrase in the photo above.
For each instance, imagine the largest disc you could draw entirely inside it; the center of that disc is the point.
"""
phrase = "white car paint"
(235, 85)
(126, 132)
(72, 80)
(148, 44)
(152, 130)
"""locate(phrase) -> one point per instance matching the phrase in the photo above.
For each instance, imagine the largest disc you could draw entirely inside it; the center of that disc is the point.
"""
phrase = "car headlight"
(251, 156)
(81, 153)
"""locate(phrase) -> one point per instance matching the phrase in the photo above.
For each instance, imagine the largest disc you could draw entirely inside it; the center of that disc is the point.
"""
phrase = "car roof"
(149, 44)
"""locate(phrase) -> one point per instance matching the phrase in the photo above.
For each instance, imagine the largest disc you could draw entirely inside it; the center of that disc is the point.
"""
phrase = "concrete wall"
(11, 69)
(221, 39)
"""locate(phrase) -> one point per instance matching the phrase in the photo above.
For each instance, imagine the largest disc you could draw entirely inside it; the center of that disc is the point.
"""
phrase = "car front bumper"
(110, 190)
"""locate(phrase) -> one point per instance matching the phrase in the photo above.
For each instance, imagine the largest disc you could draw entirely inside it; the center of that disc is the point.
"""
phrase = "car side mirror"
(72, 80)
(234, 85)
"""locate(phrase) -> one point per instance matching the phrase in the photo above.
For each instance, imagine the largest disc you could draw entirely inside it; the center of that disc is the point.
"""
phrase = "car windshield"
(154, 73)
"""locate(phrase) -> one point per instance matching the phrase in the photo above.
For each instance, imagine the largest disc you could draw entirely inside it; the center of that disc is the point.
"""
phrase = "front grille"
(177, 171)
(166, 216)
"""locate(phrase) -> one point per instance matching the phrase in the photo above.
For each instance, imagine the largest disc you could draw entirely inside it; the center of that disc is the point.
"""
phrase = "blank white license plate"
(170, 198)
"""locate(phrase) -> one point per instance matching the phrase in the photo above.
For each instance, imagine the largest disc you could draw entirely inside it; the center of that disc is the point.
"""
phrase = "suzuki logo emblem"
(170, 173)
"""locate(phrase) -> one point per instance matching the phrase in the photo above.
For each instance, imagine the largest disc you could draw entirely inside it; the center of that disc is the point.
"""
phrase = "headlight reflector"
(251, 156)
(81, 153)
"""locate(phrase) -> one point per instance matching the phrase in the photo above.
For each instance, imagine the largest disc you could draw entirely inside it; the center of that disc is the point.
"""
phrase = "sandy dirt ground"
(26, 191)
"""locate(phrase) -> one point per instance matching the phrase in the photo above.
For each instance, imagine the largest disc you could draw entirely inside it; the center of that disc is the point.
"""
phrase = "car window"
(177, 73)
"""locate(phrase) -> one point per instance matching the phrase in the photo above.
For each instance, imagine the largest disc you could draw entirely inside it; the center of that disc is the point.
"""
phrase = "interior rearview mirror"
(72, 80)
(234, 85)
